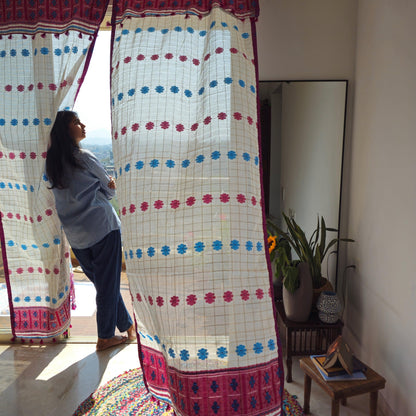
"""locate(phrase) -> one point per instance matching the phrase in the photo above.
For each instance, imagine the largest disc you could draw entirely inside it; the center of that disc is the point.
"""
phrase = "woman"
(82, 191)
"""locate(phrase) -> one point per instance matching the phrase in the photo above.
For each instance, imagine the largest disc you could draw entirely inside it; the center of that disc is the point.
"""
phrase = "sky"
(93, 101)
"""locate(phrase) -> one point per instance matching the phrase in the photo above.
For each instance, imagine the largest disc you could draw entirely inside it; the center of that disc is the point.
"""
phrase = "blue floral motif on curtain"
(185, 143)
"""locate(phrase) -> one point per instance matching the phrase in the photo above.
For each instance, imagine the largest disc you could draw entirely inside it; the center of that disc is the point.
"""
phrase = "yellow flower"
(271, 241)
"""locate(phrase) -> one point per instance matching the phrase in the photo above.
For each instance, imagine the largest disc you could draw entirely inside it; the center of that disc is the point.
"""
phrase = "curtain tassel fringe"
(53, 339)
(187, 16)
(24, 37)
(43, 35)
(10, 37)
(41, 342)
(22, 340)
(57, 35)
(13, 339)
(31, 340)
(80, 35)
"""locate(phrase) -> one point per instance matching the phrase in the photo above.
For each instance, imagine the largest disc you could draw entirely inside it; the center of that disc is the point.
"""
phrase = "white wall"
(303, 39)
(382, 198)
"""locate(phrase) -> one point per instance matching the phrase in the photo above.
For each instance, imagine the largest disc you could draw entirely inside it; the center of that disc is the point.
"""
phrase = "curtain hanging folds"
(186, 151)
(43, 57)
(185, 144)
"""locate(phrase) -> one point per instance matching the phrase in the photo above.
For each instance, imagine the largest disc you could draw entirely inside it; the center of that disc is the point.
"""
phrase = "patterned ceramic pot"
(329, 307)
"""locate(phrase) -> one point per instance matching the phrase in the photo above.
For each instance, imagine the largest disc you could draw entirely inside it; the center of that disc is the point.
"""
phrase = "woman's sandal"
(103, 344)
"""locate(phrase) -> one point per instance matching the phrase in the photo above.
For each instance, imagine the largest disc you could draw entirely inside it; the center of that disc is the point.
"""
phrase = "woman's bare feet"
(131, 333)
(103, 344)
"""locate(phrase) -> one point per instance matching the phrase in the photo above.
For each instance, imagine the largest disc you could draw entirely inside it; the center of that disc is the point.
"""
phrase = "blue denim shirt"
(84, 208)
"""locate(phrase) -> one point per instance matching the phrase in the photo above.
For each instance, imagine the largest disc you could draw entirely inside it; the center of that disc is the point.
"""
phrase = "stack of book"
(339, 363)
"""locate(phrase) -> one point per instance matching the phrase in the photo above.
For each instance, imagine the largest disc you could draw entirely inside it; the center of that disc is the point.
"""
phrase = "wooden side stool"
(341, 390)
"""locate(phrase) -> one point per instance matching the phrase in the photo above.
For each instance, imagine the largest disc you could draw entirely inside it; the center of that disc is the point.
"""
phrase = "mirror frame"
(265, 149)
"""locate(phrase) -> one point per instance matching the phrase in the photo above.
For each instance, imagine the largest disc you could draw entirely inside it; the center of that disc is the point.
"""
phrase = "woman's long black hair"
(62, 150)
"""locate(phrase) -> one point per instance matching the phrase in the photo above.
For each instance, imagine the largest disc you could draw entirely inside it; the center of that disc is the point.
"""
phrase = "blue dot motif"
(222, 352)
(182, 248)
(27, 299)
(202, 33)
(202, 354)
(164, 31)
(271, 344)
(185, 163)
(13, 52)
(213, 83)
(259, 246)
(241, 83)
(159, 89)
(36, 121)
(228, 80)
(58, 52)
(246, 157)
(235, 244)
(245, 35)
(188, 93)
(24, 247)
(258, 348)
(25, 52)
(215, 155)
(200, 159)
(2, 121)
(57, 241)
(190, 30)
(178, 29)
(256, 160)
(201, 91)
(217, 245)
(139, 253)
(184, 354)
(252, 89)
(125, 32)
(249, 246)
(165, 250)
(120, 96)
(241, 350)
(139, 165)
(144, 90)
(131, 92)
(38, 298)
(154, 163)
(25, 122)
(10, 243)
(75, 49)
(151, 251)
(231, 155)
(14, 122)
(199, 246)
(151, 29)
(127, 168)
(170, 163)
(138, 30)
(2, 185)
(174, 89)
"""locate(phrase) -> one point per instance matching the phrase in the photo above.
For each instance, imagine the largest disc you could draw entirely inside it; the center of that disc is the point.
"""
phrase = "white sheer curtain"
(43, 52)
(185, 141)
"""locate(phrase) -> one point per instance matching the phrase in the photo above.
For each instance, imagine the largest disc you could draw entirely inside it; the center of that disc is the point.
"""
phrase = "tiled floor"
(53, 379)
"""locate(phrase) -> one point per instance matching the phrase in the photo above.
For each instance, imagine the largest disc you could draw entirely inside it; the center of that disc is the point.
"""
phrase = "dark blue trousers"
(102, 265)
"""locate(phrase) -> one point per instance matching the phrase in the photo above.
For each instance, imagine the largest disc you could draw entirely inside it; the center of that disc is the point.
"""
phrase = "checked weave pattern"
(43, 52)
(185, 141)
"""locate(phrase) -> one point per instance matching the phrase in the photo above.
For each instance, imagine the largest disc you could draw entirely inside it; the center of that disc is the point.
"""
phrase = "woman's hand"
(112, 183)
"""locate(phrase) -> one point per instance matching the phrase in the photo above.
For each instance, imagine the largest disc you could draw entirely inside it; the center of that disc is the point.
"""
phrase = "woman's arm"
(94, 166)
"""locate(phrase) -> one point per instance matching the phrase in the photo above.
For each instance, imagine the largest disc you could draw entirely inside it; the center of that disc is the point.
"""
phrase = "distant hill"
(100, 136)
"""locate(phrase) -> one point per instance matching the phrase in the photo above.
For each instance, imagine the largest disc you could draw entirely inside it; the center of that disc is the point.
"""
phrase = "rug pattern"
(126, 394)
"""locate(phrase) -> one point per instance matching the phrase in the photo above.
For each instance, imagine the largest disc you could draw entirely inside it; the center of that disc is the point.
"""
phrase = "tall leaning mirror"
(302, 129)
